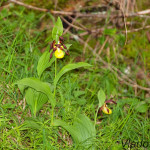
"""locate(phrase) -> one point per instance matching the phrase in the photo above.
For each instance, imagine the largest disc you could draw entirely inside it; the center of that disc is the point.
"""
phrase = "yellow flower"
(58, 48)
(106, 110)
(104, 107)
(59, 53)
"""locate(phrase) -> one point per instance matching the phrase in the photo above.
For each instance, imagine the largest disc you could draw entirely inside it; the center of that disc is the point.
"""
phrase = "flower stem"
(52, 113)
(55, 67)
(55, 75)
(96, 115)
(52, 116)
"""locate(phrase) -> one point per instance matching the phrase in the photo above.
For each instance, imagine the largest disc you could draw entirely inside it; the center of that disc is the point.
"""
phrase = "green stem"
(96, 115)
(52, 113)
(55, 75)
(52, 116)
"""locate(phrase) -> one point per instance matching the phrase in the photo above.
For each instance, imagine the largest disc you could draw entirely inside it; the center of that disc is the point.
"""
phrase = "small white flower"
(127, 70)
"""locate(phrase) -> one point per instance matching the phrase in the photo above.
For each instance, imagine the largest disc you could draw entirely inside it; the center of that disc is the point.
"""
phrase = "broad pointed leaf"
(69, 67)
(110, 32)
(101, 97)
(69, 128)
(35, 100)
(33, 123)
(38, 86)
(68, 45)
(82, 131)
(57, 30)
(141, 107)
(44, 62)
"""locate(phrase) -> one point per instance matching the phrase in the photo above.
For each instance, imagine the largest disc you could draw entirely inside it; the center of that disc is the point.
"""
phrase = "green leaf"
(148, 100)
(78, 93)
(79, 101)
(38, 86)
(68, 45)
(21, 88)
(44, 62)
(130, 101)
(110, 32)
(69, 128)
(35, 100)
(142, 107)
(68, 68)
(8, 106)
(46, 143)
(82, 131)
(34, 124)
(101, 97)
(57, 30)
(120, 39)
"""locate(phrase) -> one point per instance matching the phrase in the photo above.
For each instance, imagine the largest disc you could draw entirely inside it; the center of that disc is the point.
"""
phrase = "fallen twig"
(73, 20)
(70, 24)
(85, 44)
(138, 29)
(29, 6)
(102, 47)
(99, 15)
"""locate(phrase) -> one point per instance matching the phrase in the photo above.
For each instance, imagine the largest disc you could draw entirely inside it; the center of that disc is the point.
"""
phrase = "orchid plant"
(37, 92)
(102, 107)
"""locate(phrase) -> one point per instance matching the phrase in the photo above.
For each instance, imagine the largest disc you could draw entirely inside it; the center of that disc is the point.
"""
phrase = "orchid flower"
(59, 49)
(105, 108)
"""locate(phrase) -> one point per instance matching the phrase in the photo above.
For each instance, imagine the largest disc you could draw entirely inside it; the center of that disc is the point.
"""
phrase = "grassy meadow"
(25, 35)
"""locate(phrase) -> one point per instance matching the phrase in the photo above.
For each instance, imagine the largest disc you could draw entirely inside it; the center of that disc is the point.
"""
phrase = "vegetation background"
(117, 47)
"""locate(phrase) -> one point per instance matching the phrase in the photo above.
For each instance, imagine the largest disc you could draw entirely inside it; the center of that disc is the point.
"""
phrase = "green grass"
(21, 43)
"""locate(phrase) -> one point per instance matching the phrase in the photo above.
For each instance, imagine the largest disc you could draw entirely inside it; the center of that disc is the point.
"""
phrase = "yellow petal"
(59, 54)
(106, 110)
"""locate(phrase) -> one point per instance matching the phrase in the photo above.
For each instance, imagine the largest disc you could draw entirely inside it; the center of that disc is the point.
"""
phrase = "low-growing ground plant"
(38, 92)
